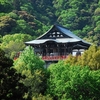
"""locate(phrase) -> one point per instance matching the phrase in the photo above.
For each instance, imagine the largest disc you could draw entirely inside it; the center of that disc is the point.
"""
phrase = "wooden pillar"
(64, 49)
(58, 49)
(41, 50)
(47, 51)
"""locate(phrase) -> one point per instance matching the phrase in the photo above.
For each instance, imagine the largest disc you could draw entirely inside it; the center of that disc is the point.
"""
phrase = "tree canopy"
(35, 17)
(13, 44)
(73, 82)
(10, 86)
(28, 62)
(90, 57)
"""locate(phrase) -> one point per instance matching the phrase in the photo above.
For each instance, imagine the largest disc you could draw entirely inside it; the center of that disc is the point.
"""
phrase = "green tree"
(13, 44)
(16, 4)
(6, 24)
(41, 97)
(73, 82)
(90, 57)
(10, 86)
(5, 6)
(67, 19)
(30, 63)
(81, 17)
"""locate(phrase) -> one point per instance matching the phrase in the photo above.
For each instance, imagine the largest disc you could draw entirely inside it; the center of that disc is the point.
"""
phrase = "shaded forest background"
(34, 17)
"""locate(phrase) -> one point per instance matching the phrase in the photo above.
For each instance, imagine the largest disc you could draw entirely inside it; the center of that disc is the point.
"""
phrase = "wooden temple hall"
(57, 43)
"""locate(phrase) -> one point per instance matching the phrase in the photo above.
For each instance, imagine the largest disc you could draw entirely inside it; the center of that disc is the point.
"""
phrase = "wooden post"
(58, 49)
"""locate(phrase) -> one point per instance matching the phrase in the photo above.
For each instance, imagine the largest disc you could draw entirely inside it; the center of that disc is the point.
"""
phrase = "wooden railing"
(47, 58)
(54, 58)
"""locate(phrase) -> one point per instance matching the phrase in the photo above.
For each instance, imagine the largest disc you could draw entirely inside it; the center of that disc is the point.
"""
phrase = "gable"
(54, 32)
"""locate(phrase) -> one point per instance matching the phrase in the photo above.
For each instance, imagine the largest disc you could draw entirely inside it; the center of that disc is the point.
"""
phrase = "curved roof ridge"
(44, 33)
(68, 32)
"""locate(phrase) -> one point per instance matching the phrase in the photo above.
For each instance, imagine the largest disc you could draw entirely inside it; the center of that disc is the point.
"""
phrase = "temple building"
(57, 43)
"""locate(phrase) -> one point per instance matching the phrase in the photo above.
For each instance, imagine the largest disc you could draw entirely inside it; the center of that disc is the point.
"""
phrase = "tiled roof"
(67, 36)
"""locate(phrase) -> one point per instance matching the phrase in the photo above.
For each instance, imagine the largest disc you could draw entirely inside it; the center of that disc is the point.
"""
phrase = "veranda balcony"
(54, 58)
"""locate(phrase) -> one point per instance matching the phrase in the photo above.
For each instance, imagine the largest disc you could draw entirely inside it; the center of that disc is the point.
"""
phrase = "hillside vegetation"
(26, 78)
(70, 79)
(34, 17)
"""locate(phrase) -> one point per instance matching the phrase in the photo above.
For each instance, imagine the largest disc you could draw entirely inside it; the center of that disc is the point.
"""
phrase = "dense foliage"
(13, 44)
(10, 86)
(66, 80)
(35, 17)
(73, 82)
(90, 57)
(31, 66)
